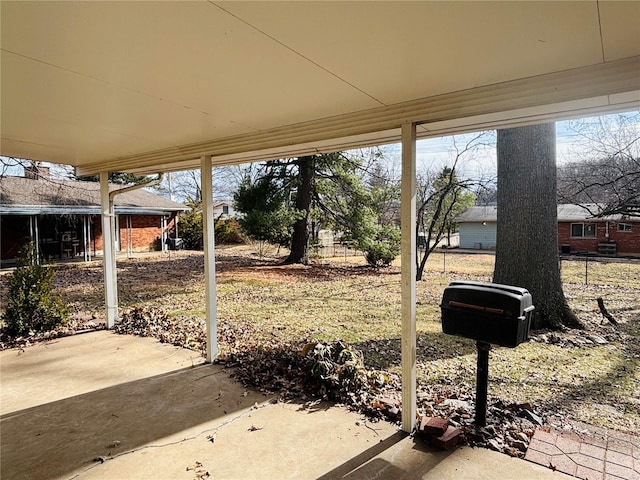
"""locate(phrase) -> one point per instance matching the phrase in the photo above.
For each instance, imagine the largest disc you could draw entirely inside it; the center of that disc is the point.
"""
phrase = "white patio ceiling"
(145, 86)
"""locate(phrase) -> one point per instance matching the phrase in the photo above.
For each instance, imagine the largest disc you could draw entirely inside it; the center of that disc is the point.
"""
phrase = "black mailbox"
(487, 312)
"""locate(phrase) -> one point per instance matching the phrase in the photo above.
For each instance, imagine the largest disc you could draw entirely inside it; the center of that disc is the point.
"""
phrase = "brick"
(434, 426)
(393, 412)
(448, 440)
(390, 402)
(588, 474)
(619, 458)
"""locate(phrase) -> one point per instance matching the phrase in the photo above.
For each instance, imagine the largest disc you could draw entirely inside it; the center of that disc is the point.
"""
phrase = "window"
(583, 230)
(225, 209)
(625, 227)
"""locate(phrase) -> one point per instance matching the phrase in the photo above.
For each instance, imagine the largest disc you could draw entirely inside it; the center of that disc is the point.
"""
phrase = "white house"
(224, 209)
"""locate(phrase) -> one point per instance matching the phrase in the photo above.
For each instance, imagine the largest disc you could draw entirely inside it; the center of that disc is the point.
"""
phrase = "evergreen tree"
(294, 198)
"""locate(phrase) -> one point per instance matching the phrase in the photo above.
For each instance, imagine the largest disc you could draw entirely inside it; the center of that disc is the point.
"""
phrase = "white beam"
(208, 223)
(408, 277)
(109, 249)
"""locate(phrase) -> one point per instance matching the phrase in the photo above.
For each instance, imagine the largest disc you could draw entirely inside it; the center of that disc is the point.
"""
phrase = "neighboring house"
(578, 231)
(224, 209)
(477, 228)
(63, 218)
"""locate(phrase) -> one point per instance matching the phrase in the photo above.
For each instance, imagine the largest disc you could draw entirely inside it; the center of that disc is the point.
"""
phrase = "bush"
(337, 371)
(228, 231)
(382, 249)
(190, 229)
(31, 307)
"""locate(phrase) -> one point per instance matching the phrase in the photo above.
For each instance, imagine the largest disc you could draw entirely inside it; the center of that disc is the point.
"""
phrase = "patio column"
(408, 276)
(208, 223)
(108, 248)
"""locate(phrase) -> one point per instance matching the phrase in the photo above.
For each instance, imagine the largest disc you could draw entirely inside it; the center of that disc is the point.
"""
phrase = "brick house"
(63, 218)
(578, 231)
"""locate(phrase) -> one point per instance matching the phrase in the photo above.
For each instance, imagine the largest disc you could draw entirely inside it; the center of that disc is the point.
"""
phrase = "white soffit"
(148, 85)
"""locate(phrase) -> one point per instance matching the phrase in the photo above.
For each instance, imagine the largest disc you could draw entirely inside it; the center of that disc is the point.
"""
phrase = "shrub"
(228, 231)
(337, 371)
(31, 307)
(190, 229)
(382, 249)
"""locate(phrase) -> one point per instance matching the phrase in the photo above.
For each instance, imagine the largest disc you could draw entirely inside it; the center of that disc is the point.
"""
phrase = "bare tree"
(604, 173)
(184, 186)
(443, 194)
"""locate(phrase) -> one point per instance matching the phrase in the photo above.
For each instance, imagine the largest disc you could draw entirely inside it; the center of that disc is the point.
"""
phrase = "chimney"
(34, 172)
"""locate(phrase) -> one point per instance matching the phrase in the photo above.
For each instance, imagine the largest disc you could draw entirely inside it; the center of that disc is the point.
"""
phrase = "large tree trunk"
(300, 237)
(527, 228)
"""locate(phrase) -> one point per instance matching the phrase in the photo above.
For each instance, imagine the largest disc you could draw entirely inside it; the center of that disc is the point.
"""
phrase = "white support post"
(408, 276)
(109, 249)
(208, 223)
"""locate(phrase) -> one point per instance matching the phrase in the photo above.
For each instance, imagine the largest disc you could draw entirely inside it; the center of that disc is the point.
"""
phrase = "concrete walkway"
(107, 406)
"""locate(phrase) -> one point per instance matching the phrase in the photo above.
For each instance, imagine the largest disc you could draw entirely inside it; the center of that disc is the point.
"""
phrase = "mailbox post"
(489, 313)
(482, 382)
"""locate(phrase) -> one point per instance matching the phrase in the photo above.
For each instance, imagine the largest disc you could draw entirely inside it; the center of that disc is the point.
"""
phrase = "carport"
(148, 87)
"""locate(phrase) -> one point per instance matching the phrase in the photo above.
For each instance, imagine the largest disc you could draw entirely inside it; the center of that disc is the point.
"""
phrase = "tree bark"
(300, 237)
(527, 228)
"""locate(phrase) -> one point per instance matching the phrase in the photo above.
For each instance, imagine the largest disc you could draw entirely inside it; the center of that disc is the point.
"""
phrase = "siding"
(476, 235)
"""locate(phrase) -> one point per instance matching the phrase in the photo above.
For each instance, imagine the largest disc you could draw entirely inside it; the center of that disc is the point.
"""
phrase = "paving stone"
(564, 464)
(547, 437)
(544, 447)
(538, 457)
(567, 445)
(620, 471)
(619, 458)
(619, 446)
(592, 451)
(588, 474)
(624, 436)
(586, 461)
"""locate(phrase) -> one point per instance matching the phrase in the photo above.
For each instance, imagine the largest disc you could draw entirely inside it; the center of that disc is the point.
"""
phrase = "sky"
(435, 153)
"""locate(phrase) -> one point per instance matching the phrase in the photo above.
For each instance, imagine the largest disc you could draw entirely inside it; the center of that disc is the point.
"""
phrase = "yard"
(591, 376)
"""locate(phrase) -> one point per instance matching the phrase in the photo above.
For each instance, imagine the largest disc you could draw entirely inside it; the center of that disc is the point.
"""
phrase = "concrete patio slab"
(106, 406)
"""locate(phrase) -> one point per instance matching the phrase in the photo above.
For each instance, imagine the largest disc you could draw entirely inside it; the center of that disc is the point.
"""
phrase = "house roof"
(25, 196)
(152, 86)
(566, 213)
